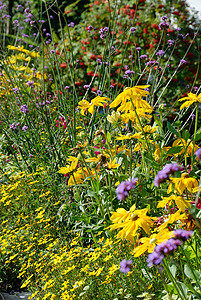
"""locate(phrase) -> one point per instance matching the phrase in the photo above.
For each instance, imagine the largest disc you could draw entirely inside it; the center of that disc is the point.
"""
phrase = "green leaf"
(108, 137)
(175, 149)
(173, 270)
(191, 274)
(172, 129)
(158, 121)
(185, 135)
(198, 135)
(150, 161)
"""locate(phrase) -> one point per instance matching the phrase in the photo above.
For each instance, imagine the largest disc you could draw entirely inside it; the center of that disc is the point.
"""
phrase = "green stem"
(194, 139)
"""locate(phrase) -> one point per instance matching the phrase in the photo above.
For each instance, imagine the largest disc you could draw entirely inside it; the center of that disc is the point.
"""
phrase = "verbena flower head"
(24, 108)
(163, 175)
(182, 235)
(133, 29)
(124, 187)
(160, 52)
(167, 247)
(125, 266)
(24, 128)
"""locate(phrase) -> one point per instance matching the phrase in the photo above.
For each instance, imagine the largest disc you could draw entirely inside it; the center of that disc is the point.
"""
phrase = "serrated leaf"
(175, 150)
(172, 129)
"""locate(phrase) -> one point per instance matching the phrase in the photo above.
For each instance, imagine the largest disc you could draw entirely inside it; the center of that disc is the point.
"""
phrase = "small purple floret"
(124, 187)
(125, 266)
(163, 175)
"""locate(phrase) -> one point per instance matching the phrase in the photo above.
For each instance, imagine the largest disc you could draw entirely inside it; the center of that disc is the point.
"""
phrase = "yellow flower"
(98, 101)
(114, 118)
(135, 94)
(187, 146)
(182, 183)
(83, 105)
(130, 221)
(149, 243)
(192, 98)
(147, 129)
(133, 116)
(69, 169)
(180, 202)
(172, 219)
(113, 164)
(129, 136)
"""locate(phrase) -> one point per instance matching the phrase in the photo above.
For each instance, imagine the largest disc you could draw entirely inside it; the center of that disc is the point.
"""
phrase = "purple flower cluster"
(133, 29)
(198, 153)
(143, 56)
(71, 24)
(125, 266)
(163, 24)
(24, 109)
(182, 235)
(167, 247)
(171, 42)
(182, 61)
(163, 175)
(160, 52)
(124, 187)
(103, 32)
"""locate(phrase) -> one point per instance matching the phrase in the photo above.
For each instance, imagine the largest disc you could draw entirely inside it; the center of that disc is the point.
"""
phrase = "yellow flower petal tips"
(192, 98)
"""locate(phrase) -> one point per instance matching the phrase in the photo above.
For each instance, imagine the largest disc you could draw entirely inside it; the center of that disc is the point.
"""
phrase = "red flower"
(63, 65)
(78, 83)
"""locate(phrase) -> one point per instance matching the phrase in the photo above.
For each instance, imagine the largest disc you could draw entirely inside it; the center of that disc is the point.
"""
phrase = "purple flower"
(167, 247)
(102, 32)
(128, 72)
(86, 86)
(180, 36)
(182, 235)
(198, 153)
(24, 109)
(125, 266)
(13, 126)
(138, 48)
(143, 56)
(151, 62)
(66, 87)
(71, 24)
(171, 42)
(133, 29)
(30, 83)
(182, 61)
(154, 258)
(163, 18)
(24, 128)
(15, 90)
(160, 52)
(163, 25)
(99, 92)
(165, 172)
(124, 187)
